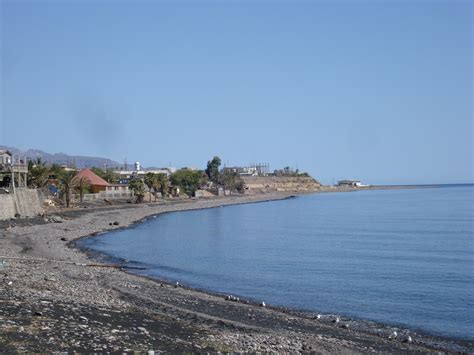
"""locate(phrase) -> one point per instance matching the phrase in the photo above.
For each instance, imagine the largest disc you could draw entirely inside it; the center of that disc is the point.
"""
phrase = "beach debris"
(263, 304)
(10, 283)
(3, 264)
(56, 219)
(38, 313)
(232, 298)
(408, 339)
(64, 239)
(116, 223)
(337, 320)
(151, 352)
(393, 335)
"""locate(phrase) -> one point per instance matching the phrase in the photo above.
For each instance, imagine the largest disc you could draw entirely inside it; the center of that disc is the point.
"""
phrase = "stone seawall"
(25, 202)
(255, 184)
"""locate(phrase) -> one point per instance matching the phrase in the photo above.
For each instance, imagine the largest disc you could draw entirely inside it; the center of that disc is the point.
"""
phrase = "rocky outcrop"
(256, 184)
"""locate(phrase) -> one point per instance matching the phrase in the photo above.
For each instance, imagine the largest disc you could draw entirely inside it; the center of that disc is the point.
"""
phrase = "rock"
(83, 318)
(57, 219)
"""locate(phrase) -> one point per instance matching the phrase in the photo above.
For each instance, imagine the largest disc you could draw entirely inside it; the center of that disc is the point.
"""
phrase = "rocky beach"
(55, 297)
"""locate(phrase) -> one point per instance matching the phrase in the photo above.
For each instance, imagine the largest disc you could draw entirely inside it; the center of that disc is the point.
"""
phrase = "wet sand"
(55, 297)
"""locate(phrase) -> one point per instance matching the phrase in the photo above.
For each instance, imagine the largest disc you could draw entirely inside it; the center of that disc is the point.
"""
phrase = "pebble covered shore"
(55, 297)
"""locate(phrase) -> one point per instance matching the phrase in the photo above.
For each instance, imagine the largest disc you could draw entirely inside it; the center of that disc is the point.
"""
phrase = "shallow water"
(402, 257)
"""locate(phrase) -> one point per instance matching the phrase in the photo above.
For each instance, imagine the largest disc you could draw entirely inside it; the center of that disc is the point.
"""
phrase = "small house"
(5, 157)
(349, 183)
(96, 183)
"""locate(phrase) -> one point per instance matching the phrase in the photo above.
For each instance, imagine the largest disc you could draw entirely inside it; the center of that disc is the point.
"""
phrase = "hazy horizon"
(380, 92)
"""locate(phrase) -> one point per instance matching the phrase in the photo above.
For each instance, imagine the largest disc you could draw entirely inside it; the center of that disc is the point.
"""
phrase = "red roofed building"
(96, 182)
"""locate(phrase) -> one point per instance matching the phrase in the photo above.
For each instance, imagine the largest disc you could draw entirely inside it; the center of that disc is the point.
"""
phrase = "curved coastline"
(210, 313)
(362, 324)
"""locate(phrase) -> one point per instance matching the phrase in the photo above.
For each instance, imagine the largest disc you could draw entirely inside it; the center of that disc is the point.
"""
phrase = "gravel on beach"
(55, 297)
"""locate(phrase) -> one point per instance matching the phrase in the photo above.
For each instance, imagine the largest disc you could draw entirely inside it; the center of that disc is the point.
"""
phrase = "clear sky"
(376, 90)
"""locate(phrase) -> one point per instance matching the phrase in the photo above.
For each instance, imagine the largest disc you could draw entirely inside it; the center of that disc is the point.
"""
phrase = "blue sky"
(376, 90)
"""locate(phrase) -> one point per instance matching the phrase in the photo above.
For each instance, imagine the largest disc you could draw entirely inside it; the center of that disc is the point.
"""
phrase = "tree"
(107, 175)
(81, 185)
(151, 182)
(138, 188)
(189, 180)
(163, 184)
(212, 169)
(67, 183)
(37, 173)
(55, 171)
(232, 181)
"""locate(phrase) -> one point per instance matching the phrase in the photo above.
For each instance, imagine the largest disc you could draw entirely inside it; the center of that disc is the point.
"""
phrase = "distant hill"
(64, 159)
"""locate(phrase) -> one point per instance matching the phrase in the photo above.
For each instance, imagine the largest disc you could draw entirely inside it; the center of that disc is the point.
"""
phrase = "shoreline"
(210, 321)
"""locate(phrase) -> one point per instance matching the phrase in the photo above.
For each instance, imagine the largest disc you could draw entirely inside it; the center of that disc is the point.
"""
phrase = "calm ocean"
(401, 257)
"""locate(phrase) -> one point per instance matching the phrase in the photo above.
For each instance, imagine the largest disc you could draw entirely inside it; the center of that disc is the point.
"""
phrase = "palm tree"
(67, 184)
(38, 173)
(150, 181)
(138, 188)
(163, 184)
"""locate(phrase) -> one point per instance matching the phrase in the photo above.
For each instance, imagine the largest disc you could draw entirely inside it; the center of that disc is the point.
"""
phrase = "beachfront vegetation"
(157, 183)
(231, 181)
(38, 173)
(107, 175)
(189, 180)
(81, 185)
(66, 185)
(138, 188)
(212, 169)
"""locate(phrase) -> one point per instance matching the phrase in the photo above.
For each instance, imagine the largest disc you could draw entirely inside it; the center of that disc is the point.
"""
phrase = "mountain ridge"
(79, 161)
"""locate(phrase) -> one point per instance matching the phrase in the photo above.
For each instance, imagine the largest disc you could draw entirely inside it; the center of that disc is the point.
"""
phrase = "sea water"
(401, 257)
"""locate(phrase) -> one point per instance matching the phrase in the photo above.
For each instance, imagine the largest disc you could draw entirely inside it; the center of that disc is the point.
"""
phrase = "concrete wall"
(25, 202)
(108, 195)
(7, 206)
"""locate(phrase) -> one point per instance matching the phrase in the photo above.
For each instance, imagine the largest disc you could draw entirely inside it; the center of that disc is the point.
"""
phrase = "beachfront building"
(96, 183)
(350, 183)
(13, 170)
(126, 175)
